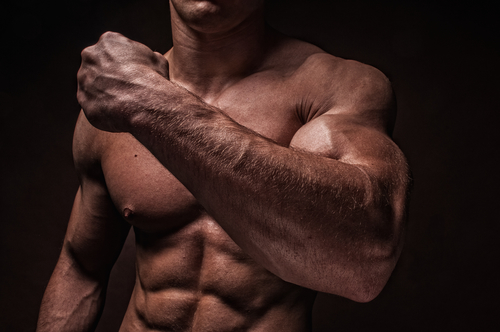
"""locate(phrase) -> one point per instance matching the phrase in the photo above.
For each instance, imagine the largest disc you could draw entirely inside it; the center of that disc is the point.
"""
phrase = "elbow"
(365, 296)
(373, 261)
(368, 286)
(372, 275)
(362, 278)
(359, 285)
(378, 256)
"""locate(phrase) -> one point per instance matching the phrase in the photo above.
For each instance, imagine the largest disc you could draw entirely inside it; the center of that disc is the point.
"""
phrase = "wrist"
(163, 106)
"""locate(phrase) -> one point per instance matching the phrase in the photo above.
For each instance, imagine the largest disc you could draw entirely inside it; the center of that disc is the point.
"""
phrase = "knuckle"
(80, 97)
(107, 34)
(158, 57)
(86, 52)
(80, 77)
(110, 35)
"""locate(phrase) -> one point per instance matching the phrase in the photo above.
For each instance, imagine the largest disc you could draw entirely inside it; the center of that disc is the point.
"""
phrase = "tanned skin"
(255, 169)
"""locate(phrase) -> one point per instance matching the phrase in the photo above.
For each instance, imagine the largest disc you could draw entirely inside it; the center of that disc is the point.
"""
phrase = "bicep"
(352, 141)
(96, 233)
(356, 126)
(344, 138)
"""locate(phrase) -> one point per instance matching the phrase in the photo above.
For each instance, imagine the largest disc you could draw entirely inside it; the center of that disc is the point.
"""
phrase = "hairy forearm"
(309, 219)
(72, 301)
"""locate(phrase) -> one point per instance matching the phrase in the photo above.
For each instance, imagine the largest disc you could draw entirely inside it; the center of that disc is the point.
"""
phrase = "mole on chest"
(144, 192)
(148, 196)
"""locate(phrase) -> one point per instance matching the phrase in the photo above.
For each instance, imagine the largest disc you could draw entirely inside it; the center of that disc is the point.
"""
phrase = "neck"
(208, 62)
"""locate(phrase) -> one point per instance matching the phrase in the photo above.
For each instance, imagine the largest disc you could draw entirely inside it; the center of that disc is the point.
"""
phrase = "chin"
(213, 16)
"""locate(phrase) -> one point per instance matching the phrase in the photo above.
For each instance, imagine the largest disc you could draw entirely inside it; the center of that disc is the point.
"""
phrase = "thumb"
(162, 65)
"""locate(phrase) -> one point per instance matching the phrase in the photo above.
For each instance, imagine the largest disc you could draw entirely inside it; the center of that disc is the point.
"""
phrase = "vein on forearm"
(287, 196)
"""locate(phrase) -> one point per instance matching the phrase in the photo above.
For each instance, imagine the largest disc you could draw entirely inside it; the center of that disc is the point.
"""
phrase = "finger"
(80, 96)
(112, 35)
(162, 65)
(88, 55)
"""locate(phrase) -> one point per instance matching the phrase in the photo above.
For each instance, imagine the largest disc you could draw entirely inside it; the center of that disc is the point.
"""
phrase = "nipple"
(127, 213)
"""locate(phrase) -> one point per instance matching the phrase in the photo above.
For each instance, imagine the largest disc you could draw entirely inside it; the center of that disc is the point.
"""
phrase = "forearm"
(329, 222)
(292, 211)
(72, 301)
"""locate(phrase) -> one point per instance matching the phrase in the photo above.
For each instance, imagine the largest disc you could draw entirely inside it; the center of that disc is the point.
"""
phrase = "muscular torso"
(191, 276)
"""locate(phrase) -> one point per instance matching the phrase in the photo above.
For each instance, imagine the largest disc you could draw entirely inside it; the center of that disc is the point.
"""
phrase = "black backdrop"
(443, 59)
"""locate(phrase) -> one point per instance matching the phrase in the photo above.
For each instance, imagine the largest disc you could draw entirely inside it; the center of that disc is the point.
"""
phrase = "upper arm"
(96, 232)
(355, 130)
(356, 110)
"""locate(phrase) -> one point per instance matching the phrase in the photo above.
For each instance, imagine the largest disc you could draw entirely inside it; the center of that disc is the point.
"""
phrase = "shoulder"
(347, 81)
(334, 81)
(333, 85)
(89, 144)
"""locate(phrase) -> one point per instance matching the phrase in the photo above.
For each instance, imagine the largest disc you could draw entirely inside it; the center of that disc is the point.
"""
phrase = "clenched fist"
(118, 79)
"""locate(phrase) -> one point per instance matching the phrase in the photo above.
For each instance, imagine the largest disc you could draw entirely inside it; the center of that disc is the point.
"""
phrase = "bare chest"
(150, 198)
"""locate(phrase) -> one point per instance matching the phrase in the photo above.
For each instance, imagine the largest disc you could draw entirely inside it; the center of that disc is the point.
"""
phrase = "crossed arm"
(326, 213)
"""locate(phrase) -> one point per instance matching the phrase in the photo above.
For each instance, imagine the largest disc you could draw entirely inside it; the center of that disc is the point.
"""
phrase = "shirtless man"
(254, 168)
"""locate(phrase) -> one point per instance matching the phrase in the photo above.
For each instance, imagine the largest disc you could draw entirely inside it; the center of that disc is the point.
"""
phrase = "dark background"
(443, 59)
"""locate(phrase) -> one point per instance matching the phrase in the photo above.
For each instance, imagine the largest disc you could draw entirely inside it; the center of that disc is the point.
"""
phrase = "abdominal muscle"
(190, 275)
(197, 279)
